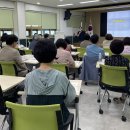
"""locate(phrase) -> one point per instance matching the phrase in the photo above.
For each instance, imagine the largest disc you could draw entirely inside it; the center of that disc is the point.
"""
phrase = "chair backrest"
(60, 67)
(114, 76)
(82, 51)
(27, 52)
(126, 56)
(108, 51)
(2, 103)
(28, 117)
(8, 68)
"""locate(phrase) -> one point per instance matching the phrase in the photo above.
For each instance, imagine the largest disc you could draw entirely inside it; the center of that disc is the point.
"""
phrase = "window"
(46, 31)
(39, 31)
(52, 32)
(33, 32)
(8, 32)
(27, 33)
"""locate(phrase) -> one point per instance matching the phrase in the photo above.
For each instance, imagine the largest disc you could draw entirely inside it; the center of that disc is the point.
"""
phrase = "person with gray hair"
(35, 39)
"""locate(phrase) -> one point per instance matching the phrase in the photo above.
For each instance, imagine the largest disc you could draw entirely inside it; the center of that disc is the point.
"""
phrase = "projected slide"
(118, 23)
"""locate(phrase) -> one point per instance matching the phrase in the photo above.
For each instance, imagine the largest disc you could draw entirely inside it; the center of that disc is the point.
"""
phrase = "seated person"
(3, 39)
(81, 34)
(126, 42)
(9, 53)
(86, 41)
(63, 56)
(94, 50)
(68, 48)
(46, 36)
(48, 82)
(117, 48)
(35, 39)
(107, 41)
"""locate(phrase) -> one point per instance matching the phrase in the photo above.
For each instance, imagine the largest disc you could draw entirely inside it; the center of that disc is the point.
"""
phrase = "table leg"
(99, 94)
(77, 116)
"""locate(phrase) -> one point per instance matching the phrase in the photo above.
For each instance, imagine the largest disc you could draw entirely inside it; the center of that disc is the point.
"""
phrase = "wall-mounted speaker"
(67, 15)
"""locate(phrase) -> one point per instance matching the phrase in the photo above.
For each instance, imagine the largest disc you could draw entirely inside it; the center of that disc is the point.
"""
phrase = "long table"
(102, 62)
(30, 59)
(8, 82)
(77, 85)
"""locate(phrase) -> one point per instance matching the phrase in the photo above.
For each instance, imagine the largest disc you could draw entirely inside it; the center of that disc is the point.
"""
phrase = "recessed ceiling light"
(91, 1)
(65, 5)
(114, 0)
(61, 0)
(38, 3)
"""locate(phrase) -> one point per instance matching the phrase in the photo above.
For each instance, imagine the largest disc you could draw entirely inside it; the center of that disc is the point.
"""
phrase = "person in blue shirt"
(35, 39)
(94, 50)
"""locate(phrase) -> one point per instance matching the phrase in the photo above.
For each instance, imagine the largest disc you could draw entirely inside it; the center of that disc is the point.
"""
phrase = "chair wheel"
(100, 111)
(97, 93)
(86, 83)
(81, 92)
(123, 118)
(109, 100)
(79, 129)
(98, 100)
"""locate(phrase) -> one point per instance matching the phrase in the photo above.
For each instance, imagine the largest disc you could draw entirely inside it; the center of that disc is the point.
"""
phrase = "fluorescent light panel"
(64, 5)
(38, 3)
(91, 1)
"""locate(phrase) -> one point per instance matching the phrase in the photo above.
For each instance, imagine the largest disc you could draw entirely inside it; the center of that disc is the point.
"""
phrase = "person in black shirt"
(117, 48)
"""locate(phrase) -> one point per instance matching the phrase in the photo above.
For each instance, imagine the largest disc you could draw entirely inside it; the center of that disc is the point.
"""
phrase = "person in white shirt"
(107, 41)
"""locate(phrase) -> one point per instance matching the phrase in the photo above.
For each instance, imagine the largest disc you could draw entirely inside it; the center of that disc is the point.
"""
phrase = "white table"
(106, 54)
(74, 47)
(30, 59)
(77, 85)
(102, 62)
(78, 64)
(74, 53)
(8, 82)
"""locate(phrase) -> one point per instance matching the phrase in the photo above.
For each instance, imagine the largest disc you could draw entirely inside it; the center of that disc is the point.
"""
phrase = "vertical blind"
(46, 20)
(49, 21)
(6, 18)
(33, 18)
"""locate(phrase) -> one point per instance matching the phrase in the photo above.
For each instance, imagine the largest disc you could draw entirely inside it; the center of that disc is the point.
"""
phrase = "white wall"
(68, 31)
(21, 20)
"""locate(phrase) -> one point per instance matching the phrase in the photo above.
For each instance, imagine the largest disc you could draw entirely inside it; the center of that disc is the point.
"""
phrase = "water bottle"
(100, 57)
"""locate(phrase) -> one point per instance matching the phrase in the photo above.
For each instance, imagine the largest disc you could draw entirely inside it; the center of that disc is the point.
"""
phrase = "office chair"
(108, 51)
(8, 68)
(126, 56)
(63, 68)
(114, 78)
(82, 52)
(28, 117)
(26, 52)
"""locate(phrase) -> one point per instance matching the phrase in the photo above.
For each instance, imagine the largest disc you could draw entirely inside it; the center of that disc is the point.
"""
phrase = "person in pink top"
(63, 56)
(126, 42)
(68, 48)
